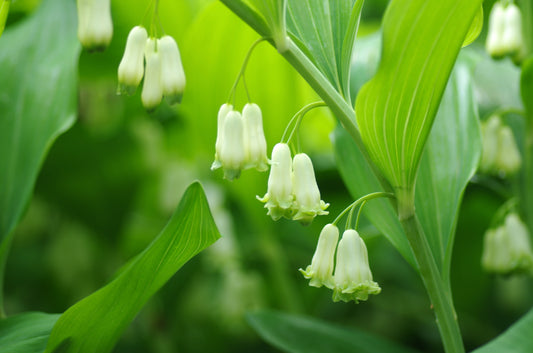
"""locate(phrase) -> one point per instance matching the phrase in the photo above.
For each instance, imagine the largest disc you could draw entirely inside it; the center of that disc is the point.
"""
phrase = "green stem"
(439, 296)
(5, 245)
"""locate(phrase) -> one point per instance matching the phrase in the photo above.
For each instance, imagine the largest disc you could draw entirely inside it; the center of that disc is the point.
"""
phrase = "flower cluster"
(507, 249)
(352, 279)
(95, 27)
(292, 188)
(504, 35)
(500, 152)
(241, 142)
(158, 61)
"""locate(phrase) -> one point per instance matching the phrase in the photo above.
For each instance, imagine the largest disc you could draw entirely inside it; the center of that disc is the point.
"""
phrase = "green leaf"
(4, 10)
(27, 333)
(396, 109)
(38, 71)
(325, 31)
(526, 86)
(300, 334)
(517, 338)
(95, 323)
(449, 161)
(475, 27)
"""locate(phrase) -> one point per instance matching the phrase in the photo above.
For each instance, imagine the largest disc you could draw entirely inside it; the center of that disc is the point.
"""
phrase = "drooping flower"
(152, 92)
(507, 249)
(508, 159)
(279, 197)
(95, 27)
(131, 68)
(254, 138)
(172, 73)
(221, 119)
(307, 203)
(505, 35)
(497, 21)
(320, 272)
(232, 157)
(353, 278)
(489, 133)
(501, 155)
(512, 37)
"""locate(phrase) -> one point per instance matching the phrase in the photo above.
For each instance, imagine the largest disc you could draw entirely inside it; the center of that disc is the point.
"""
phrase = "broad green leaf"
(526, 88)
(94, 324)
(517, 339)
(325, 31)
(448, 162)
(27, 333)
(300, 334)
(4, 10)
(475, 27)
(38, 72)
(396, 109)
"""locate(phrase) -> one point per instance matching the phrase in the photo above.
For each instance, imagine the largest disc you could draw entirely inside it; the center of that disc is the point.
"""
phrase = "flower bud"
(508, 159)
(254, 138)
(321, 269)
(307, 195)
(507, 249)
(279, 195)
(172, 74)
(497, 22)
(131, 68)
(222, 113)
(232, 156)
(152, 92)
(512, 37)
(95, 27)
(353, 279)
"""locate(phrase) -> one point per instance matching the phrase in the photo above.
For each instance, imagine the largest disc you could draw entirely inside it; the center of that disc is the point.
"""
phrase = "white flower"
(254, 138)
(508, 159)
(131, 68)
(222, 112)
(95, 27)
(353, 279)
(497, 22)
(279, 196)
(507, 249)
(489, 133)
(321, 269)
(232, 157)
(172, 74)
(307, 203)
(152, 92)
(512, 38)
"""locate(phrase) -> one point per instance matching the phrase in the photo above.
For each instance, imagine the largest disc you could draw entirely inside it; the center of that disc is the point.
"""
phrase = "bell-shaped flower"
(152, 92)
(508, 159)
(320, 272)
(279, 197)
(307, 203)
(489, 133)
(221, 119)
(497, 22)
(95, 27)
(172, 74)
(512, 38)
(353, 279)
(131, 67)
(254, 138)
(232, 156)
(507, 249)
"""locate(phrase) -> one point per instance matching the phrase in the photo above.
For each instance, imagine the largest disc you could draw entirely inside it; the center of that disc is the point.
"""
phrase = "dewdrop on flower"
(320, 272)
(131, 68)
(508, 159)
(254, 138)
(172, 74)
(507, 249)
(95, 27)
(353, 279)
(152, 92)
(497, 22)
(307, 203)
(232, 156)
(279, 196)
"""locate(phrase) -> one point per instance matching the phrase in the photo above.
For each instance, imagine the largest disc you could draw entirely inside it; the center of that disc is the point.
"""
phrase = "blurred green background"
(110, 183)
